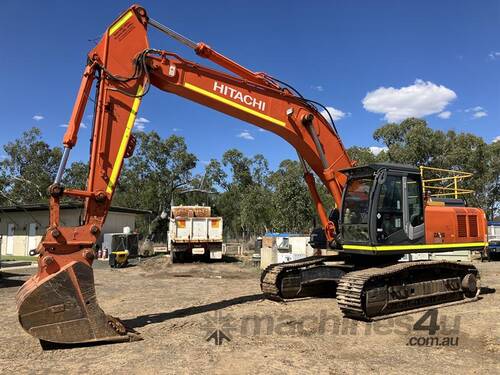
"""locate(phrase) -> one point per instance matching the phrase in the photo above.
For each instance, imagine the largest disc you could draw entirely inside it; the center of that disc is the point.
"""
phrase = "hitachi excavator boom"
(59, 303)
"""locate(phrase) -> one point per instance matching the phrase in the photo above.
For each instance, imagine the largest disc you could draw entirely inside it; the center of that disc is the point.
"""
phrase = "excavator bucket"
(62, 308)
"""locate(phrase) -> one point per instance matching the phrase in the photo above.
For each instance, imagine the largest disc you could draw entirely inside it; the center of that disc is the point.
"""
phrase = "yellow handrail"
(450, 189)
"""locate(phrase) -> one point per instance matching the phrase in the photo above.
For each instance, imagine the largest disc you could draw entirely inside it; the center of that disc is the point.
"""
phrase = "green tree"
(411, 142)
(157, 168)
(204, 187)
(76, 175)
(245, 202)
(256, 209)
(240, 167)
(292, 205)
(28, 169)
(215, 177)
(364, 156)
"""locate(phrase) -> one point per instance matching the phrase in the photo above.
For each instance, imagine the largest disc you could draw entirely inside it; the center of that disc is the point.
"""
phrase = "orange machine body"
(445, 225)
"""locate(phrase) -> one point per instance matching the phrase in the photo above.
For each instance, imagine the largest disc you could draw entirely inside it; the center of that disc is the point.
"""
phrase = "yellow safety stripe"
(123, 145)
(415, 247)
(233, 104)
(120, 22)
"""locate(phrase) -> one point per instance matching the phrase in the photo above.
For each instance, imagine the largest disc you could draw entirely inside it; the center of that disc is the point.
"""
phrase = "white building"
(22, 227)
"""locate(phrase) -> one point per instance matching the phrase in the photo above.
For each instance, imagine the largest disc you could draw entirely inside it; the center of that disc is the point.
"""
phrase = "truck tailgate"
(196, 229)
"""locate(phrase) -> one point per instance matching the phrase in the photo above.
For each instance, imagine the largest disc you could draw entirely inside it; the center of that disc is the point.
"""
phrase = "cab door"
(413, 215)
(389, 207)
(398, 210)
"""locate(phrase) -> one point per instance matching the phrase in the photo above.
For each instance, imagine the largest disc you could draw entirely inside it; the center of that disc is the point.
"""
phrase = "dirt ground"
(177, 308)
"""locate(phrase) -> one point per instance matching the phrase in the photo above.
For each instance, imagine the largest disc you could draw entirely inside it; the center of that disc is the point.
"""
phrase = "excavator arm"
(59, 304)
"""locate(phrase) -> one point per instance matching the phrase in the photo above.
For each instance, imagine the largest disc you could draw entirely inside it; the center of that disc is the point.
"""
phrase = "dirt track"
(176, 308)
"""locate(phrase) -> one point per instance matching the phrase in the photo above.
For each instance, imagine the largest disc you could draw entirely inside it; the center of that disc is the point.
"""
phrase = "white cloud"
(493, 55)
(336, 114)
(496, 139)
(319, 88)
(205, 162)
(477, 112)
(140, 122)
(262, 130)
(176, 130)
(246, 135)
(445, 115)
(38, 117)
(377, 150)
(474, 109)
(417, 100)
(82, 125)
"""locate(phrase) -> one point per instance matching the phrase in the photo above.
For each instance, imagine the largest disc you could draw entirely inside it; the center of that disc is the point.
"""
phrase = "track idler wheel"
(470, 285)
(62, 308)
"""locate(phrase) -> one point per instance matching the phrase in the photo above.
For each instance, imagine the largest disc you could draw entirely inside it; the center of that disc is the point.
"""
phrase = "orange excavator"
(381, 211)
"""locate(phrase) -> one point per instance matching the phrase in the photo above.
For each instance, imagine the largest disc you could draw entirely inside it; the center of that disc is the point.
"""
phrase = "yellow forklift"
(120, 248)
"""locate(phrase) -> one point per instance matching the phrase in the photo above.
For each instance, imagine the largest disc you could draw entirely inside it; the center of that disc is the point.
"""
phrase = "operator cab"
(382, 204)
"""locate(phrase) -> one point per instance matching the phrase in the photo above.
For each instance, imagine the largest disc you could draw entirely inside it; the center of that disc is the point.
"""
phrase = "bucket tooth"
(62, 308)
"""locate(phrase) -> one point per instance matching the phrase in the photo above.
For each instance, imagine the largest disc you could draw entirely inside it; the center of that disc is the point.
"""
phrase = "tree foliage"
(414, 142)
(292, 204)
(28, 168)
(157, 169)
(245, 200)
(76, 175)
(251, 197)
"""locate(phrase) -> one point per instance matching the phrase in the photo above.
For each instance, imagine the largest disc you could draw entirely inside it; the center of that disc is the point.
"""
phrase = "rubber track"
(350, 291)
(271, 276)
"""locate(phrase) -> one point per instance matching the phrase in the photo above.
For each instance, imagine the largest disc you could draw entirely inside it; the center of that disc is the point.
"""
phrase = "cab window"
(355, 210)
(390, 207)
(415, 200)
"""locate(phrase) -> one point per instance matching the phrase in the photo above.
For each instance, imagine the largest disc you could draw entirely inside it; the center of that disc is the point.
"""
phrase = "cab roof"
(371, 168)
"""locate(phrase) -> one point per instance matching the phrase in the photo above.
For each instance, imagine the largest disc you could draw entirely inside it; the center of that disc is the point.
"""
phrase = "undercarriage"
(371, 293)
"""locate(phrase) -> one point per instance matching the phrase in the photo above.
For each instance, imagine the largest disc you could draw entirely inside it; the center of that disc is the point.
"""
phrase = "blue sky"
(371, 61)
